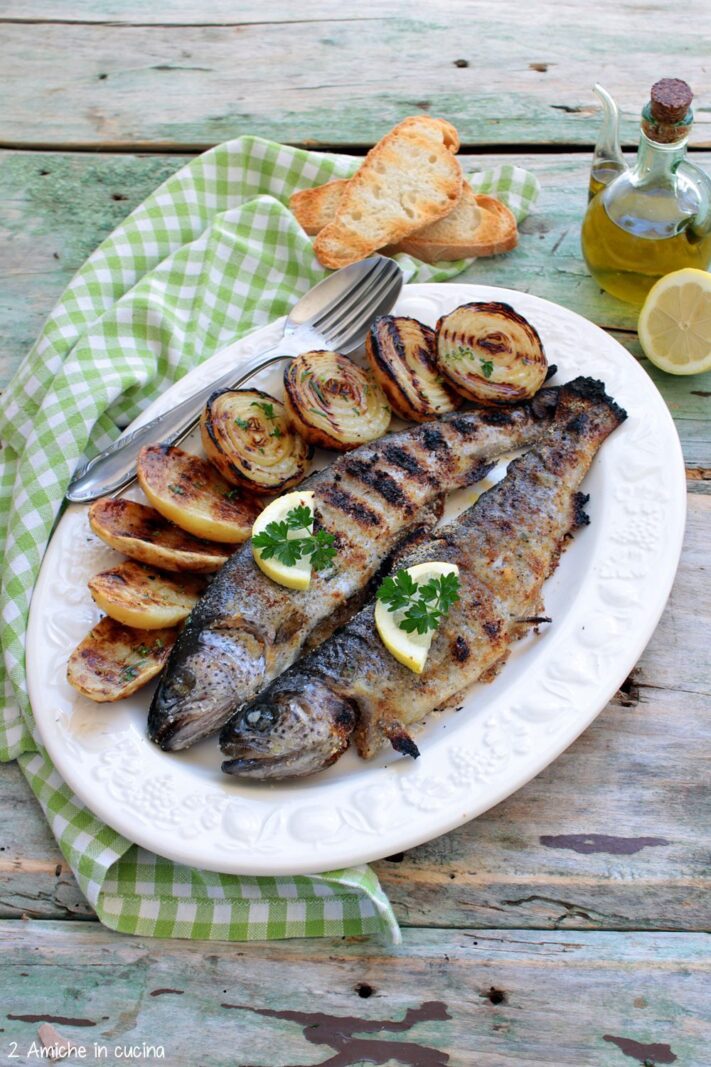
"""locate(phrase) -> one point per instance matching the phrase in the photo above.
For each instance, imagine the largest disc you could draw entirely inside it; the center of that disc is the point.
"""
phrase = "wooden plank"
(443, 997)
(55, 208)
(340, 81)
(615, 833)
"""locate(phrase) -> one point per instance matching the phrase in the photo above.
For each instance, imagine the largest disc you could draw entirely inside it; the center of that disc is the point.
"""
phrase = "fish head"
(207, 674)
(290, 730)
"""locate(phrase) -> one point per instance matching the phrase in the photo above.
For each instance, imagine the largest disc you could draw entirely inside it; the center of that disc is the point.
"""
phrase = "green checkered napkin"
(211, 255)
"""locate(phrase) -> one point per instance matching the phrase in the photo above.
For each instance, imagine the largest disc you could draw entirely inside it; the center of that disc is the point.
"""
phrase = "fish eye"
(260, 718)
(183, 682)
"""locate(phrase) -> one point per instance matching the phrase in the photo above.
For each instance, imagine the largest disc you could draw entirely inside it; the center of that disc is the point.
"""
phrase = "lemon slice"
(409, 649)
(675, 323)
(298, 575)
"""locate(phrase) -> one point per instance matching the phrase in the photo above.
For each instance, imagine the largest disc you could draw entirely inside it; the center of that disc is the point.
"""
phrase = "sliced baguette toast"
(315, 208)
(479, 225)
(408, 180)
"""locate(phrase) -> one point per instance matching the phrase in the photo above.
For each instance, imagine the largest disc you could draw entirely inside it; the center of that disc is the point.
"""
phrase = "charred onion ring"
(333, 403)
(401, 353)
(490, 353)
(245, 433)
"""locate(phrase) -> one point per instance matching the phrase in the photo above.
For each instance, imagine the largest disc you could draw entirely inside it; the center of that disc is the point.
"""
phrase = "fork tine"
(351, 312)
(365, 312)
(330, 316)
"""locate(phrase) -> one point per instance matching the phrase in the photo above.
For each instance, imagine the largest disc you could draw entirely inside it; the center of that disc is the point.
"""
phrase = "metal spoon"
(335, 314)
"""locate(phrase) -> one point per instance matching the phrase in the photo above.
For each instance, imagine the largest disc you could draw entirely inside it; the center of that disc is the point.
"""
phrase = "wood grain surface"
(164, 75)
(491, 998)
(565, 927)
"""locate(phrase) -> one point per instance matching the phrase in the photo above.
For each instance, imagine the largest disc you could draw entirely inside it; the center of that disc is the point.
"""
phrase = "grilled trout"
(506, 545)
(246, 629)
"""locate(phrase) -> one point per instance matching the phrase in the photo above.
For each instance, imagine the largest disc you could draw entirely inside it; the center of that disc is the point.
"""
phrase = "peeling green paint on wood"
(341, 80)
(444, 997)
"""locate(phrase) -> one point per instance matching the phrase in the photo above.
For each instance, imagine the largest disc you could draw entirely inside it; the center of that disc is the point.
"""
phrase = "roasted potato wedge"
(401, 354)
(142, 533)
(490, 353)
(333, 403)
(142, 597)
(188, 491)
(246, 434)
(113, 661)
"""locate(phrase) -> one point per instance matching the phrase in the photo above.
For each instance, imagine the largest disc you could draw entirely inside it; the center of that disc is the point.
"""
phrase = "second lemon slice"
(675, 323)
(296, 575)
(409, 649)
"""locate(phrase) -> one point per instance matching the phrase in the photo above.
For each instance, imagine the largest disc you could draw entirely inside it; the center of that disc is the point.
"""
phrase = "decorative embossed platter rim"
(606, 598)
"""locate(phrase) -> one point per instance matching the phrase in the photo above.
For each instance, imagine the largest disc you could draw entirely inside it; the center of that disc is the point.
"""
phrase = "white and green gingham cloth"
(211, 255)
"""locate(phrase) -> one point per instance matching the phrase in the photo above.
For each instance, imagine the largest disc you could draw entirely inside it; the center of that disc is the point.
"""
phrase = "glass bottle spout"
(608, 160)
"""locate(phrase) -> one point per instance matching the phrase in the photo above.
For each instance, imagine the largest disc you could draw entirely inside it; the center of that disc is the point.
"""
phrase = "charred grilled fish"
(246, 629)
(505, 546)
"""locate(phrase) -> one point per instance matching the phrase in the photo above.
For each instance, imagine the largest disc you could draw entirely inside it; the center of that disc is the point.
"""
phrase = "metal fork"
(335, 314)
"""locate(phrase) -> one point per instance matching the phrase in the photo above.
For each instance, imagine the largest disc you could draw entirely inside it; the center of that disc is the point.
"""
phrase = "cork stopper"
(667, 117)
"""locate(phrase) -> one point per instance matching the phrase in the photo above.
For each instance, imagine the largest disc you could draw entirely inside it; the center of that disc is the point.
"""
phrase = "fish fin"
(401, 741)
(580, 516)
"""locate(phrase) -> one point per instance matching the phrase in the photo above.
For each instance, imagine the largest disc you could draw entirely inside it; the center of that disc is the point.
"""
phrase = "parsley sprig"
(424, 605)
(266, 409)
(274, 540)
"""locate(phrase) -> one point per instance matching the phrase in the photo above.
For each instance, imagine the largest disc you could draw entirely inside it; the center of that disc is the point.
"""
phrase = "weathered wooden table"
(565, 927)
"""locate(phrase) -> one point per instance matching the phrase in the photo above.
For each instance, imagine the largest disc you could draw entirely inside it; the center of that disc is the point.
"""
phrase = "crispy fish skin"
(246, 629)
(505, 546)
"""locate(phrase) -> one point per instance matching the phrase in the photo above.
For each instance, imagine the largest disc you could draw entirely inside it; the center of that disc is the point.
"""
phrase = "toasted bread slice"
(315, 208)
(406, 181)
(480, 225)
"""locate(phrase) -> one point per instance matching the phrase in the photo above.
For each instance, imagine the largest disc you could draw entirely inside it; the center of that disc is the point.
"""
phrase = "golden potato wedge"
(142, 533)
(400, 351)
(247, 436)
(113, 661)
(490, 353)
(142, 597)
(332, 402)
(188, 491)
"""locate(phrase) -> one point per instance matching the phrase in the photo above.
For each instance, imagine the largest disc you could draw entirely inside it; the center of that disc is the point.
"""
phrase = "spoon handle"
(115, 467)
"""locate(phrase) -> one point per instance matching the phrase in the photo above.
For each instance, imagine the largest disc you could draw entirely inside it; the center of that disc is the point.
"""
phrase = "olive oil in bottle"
(655, 217)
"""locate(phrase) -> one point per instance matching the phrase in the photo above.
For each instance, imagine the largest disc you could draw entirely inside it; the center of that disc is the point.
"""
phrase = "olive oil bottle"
(655, 217)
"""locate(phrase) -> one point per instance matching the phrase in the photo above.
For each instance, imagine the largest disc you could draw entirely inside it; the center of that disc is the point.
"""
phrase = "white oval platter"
(605, 600)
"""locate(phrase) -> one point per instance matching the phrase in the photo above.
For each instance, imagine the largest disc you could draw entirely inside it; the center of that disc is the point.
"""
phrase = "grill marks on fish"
(505, 546)
(242, 634)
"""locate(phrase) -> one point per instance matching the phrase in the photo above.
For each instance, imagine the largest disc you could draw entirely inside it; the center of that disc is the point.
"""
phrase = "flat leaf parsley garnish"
(487, 367)
(265, 408)
(423, 605)
(274, 541)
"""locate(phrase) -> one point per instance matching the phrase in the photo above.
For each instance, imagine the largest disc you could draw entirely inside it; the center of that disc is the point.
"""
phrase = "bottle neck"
(658, 161)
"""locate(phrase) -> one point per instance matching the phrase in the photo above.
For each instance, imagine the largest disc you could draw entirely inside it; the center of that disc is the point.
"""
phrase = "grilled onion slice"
(143, 597)
(142, 533)
(490, 353)
(401, 354)
(114, 661)
(188, 491)
(333, 403)
(246, 434)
